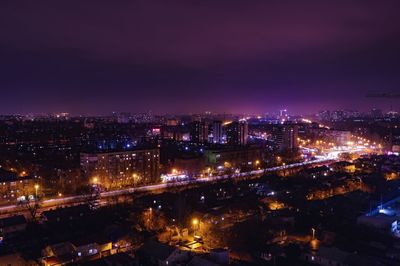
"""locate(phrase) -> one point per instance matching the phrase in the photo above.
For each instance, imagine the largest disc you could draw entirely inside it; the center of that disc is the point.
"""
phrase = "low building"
(14, 259)
(80, 250)
(191, 166)
(11, 225)
(59, 254)
(220, 255)
(327, 256)
(66, 214)
(13, 186)
(343, 166)
(381, 222)
(200, 261)
(315, 172)
(158, 254)
(119, 259)
(234, 156)
(92, 247)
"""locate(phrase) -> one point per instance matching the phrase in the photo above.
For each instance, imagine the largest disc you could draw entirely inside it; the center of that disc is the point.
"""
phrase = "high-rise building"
(285, 137)
(198, 132)
(237, 133)
(338, 115)
(376, 113)
(122, 117)
(324, 115)
(283, 114)
(121, 168)
(217, 132)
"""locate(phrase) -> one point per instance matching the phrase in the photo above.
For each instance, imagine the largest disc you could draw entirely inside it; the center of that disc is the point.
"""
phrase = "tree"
(32, 206)
(92, 196)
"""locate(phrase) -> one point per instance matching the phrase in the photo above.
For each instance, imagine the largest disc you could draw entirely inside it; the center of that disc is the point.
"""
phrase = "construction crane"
(383, 95)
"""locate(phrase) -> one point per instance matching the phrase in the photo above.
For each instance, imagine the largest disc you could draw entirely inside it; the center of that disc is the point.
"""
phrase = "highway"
(78, 199)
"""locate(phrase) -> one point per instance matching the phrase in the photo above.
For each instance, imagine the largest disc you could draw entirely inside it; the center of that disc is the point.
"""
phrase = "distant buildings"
(376, 113)
(324, 115)
(121, 168)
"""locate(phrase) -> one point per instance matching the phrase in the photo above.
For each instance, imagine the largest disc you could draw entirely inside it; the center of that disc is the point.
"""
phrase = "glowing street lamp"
(36, 190)
(313, 233)
(195, 222)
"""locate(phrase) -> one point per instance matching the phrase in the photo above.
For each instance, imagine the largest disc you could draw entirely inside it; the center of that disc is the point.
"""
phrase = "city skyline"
(96, 58)
(216, 133)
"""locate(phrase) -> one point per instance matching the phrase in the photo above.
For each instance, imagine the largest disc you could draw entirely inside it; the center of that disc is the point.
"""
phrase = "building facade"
(199, 132)
(123, 168)
(285, 137)
(237, 133)
(217, 132)
(13, 187)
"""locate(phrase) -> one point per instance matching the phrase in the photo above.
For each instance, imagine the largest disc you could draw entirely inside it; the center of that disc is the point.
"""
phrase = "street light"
(195, 222)
(36, 190)
(313, 233)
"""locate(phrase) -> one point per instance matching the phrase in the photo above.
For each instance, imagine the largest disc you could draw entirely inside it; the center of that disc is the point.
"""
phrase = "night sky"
(94, 57)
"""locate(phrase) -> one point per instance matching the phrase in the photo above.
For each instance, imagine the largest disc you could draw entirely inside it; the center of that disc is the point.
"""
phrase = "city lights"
(257, 133)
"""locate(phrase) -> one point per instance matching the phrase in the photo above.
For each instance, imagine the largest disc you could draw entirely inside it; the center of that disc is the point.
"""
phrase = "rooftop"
(12, 221)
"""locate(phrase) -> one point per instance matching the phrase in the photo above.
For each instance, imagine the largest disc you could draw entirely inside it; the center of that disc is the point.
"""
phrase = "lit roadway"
(74, 200)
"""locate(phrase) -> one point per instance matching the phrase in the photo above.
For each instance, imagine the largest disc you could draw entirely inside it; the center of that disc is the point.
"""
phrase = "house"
(158, 254)
(381, 222)
(11, 225)
(59, 254)
(121, 236)
(327, 256)
(315, 172)
(65, 214)
(14, 259)
(14, 186)
(220, 255)
(343, 166)
(92, 247)
(119, 259)
(356, 259)
(200, 261)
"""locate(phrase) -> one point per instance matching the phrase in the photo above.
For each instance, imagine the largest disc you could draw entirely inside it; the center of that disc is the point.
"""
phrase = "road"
(78, 199)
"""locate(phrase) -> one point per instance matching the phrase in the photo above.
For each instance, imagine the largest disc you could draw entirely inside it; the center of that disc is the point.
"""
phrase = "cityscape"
(200, 134)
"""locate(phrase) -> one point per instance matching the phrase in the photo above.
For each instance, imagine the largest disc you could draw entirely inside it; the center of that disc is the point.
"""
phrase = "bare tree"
(92, 198)
(32, 206)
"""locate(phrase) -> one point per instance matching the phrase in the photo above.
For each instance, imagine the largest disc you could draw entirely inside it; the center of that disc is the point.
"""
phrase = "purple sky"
(189, 56)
